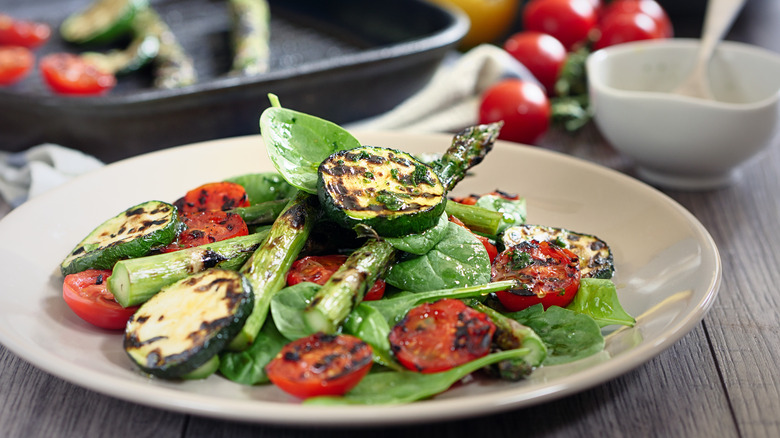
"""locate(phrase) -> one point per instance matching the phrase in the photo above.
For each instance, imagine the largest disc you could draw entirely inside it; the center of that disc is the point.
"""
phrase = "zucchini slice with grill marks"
(385, 189)
(595, 256)
(185, 325)
(132, 233)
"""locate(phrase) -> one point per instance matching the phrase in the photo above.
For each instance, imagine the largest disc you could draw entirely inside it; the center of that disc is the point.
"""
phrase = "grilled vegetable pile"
(349, 275)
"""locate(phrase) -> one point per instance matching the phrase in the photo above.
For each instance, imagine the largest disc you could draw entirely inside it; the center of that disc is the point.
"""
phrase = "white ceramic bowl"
(677, 141)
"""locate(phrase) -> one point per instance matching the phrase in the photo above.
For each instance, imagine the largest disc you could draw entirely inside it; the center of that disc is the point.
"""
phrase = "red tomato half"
(23, 33)
(569, 21)
(522, 105)
(549, 274)
(318, 269)
(438, 336)
(66, 73)
(207, 227)
(542, 54)
(86, 294)
(15, 63)
(320, 365)
(214, 196)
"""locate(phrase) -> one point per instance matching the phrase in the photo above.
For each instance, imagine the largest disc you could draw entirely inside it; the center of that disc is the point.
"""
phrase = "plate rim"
(163, 397)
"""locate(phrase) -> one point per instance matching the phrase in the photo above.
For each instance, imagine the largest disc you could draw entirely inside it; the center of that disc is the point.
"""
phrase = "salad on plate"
(349, 275)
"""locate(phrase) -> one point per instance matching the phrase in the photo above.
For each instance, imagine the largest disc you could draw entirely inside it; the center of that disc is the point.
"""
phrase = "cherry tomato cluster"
(64, 73)
(554, 32)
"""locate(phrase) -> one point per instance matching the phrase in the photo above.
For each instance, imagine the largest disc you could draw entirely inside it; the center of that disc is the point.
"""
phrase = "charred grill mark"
(296, 216)
(210, 259)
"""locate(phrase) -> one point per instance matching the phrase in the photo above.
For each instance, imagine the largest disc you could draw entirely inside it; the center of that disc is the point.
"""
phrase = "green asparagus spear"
(173, 66)
(250, 33)
(134, 281)
(468, 149)
(262, 213)
(476, 218)
(267, 268)
(510, 335)
(347, 286)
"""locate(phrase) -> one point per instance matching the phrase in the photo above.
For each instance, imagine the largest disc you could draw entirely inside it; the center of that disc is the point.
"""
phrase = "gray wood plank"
(744, 325)
(35, 404)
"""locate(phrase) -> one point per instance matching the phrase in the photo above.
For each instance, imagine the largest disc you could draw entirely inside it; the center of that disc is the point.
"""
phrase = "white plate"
(668, 274)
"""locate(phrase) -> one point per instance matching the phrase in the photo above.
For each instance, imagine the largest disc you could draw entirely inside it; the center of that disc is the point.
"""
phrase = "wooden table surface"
(720, 380)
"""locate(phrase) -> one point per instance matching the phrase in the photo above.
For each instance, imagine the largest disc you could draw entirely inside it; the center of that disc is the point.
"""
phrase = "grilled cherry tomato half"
(318, 269)
(320, 364)
(541, 53)
(214, 196)
(86, 294)
(569, 21)
(489, 247)
(206, 227)
(66, 73)
(30, 34)
(437, 336)
(15, 63)
(548, 274)
(522, 105)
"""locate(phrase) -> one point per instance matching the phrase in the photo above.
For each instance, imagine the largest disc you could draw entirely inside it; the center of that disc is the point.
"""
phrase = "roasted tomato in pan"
(320, 364)
(15, 63)
(441, 335)
(547, 274)
(207, 227)
(86, 294)
(15, 32)
(66, 73)
(318, 269)
(214, 196)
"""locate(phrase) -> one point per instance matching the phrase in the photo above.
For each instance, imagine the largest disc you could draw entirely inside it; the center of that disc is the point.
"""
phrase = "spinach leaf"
(598, 298)
(393, 387)
(248, 367)
(264, 186)
(421, 243)
(287, 308)
(568, 335)
(514, 211)
(297, 143)
(457, 260)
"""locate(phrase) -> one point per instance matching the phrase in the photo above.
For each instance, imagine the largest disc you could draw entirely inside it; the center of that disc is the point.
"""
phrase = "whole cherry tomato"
(522, 105)
(569, 21)
(651, 8)
(15, 63)
(542, 54)
(625, 27)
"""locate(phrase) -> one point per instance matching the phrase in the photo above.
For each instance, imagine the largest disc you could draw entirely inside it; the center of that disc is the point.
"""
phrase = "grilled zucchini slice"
(385, 189)
(132, 233)
(595, 256)
(185, 325)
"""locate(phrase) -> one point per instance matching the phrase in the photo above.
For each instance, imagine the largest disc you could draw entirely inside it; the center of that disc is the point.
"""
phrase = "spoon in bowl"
(719, 17)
